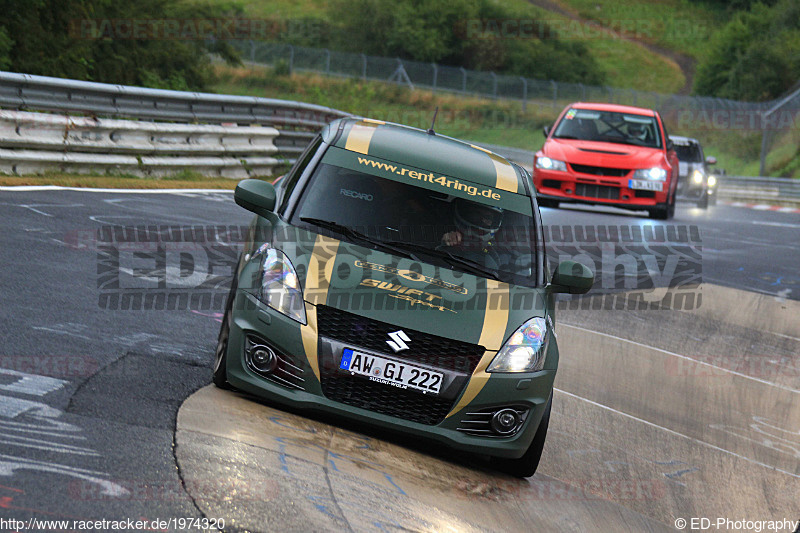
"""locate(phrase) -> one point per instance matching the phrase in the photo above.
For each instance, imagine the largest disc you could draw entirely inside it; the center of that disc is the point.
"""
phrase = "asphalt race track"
(662, 413)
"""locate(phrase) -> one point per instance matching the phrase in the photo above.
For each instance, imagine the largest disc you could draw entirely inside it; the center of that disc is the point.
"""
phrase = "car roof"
(613, 107)
(417, 148)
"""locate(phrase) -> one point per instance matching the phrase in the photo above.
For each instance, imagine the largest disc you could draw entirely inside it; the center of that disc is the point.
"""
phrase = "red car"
(608, 154)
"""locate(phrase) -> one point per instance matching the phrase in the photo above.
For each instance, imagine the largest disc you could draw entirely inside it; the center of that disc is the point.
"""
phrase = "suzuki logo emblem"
(398, 342)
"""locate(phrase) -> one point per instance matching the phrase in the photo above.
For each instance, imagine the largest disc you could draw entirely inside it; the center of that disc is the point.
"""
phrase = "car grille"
(600, 171)
(357, 331)
(387, 400)
(426, 349)
(597, 191)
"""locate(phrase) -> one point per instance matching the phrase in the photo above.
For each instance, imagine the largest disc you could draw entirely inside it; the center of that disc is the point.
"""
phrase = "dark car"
(695, 181)
(398, 278)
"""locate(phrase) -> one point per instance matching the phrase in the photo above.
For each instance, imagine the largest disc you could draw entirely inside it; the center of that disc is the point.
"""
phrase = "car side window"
(297, 170)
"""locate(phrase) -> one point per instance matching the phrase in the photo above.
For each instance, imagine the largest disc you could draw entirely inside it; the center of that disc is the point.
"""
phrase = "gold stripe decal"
(495, 322)
(317, 283)
(360, 135)
(506, 175)
(319, 266)
(309, 334)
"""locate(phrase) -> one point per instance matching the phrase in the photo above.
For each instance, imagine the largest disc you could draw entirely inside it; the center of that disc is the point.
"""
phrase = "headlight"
(655, 174)
(279, 287)
(697, 177)
(545, 163)
(712, 182)
(525, 350)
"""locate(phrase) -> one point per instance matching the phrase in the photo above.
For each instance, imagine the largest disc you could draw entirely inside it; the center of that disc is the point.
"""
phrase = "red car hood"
(603, 154)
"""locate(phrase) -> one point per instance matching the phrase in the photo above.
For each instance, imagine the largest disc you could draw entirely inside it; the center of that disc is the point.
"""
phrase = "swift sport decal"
(425, 299)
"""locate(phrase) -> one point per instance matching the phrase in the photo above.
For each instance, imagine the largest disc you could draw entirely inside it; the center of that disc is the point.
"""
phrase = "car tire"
(526, 465)
(663, 211)
(702, 203)
(220, 375)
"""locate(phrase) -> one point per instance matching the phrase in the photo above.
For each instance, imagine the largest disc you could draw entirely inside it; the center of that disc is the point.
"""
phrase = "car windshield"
(608, 126)
(426, 225)
(689, 152)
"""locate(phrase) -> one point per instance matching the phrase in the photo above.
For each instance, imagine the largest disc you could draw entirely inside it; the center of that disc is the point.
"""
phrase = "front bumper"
(600, 190)
(527, 390)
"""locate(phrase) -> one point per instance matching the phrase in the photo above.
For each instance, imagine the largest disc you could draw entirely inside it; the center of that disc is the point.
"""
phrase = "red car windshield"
(609, 126)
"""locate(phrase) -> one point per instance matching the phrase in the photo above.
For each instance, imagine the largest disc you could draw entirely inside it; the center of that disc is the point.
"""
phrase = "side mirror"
(546, 131)
(711, 160)
(256, 196)
(572, 277)
(670, 145)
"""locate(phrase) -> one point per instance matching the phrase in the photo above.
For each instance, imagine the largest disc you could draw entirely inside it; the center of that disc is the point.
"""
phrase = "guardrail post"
(762, 167)
(435, 75)
(291, 59)
(252, 51)
(364, 67)
(494, 85)
(555, 93)
(327, 62)
(524, 93)
(463, 79)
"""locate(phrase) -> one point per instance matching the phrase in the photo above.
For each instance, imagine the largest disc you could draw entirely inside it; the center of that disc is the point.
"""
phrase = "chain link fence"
(432, 76)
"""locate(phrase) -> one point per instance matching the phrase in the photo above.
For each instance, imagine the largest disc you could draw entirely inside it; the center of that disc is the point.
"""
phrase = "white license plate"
(391, 372)
(645, 185)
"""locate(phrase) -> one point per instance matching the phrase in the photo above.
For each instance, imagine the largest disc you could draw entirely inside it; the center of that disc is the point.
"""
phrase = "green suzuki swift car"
(398, 277)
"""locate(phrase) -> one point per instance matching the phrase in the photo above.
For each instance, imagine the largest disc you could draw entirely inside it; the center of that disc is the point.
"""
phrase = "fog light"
(505, 421)
(263, 359)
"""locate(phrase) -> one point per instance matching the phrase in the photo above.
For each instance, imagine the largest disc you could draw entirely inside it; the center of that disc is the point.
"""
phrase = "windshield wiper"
(473, 267)
(357, 235)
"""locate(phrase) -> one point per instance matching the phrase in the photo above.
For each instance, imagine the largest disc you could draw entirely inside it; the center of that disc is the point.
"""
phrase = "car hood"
(603, 154)
(412, 295)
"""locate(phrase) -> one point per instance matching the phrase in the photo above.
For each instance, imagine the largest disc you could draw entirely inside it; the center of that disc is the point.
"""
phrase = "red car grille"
(597, 191)
(600, 171)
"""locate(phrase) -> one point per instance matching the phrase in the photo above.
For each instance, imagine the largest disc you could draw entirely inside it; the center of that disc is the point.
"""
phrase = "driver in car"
(476, 225)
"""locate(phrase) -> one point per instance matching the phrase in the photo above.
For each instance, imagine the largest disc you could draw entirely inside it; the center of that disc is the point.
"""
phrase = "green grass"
(625, 64)
(679, 25)
(184, 179)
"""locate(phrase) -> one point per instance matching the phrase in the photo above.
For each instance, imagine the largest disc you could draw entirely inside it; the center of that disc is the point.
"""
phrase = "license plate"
(645, 185)
(391, 372)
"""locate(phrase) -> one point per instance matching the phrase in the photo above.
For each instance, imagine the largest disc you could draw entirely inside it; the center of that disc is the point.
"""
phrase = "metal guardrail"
(33, 143)
(296, 121)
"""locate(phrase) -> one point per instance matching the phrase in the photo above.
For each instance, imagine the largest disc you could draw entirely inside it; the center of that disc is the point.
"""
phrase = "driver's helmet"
(477, 222)
(637, 131)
